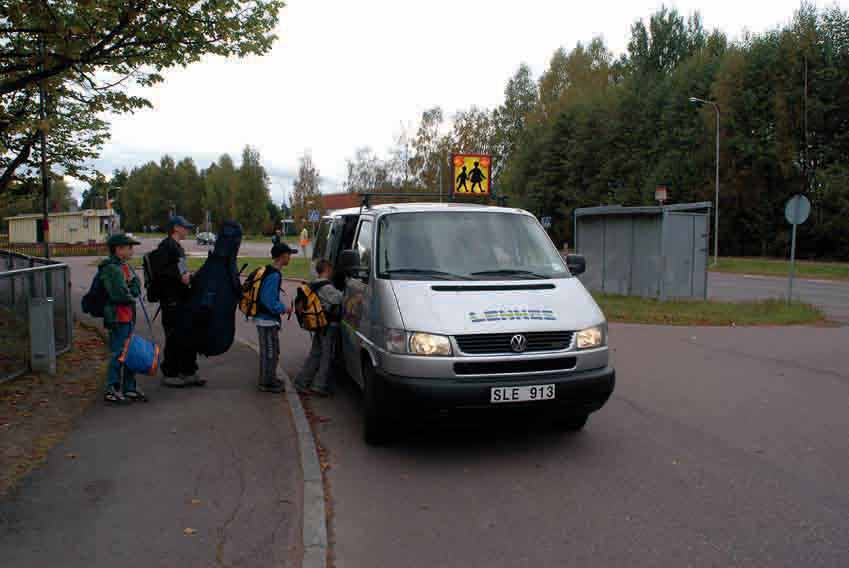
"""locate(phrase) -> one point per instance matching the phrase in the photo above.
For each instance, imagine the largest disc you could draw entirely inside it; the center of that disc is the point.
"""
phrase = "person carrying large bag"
(172, 281)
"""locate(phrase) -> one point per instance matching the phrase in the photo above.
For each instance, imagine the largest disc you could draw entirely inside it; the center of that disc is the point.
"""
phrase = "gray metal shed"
(655, 252)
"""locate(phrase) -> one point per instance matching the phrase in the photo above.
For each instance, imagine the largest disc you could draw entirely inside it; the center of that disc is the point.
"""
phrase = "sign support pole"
(793, 255)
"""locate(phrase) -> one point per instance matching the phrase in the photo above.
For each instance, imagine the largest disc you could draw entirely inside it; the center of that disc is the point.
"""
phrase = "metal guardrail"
(22, 278)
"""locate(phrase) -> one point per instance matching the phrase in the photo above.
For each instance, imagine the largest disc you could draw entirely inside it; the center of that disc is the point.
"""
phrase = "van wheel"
(571, 422)
(375, 424)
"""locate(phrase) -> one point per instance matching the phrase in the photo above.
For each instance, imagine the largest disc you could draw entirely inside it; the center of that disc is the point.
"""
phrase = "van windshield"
(463, 245)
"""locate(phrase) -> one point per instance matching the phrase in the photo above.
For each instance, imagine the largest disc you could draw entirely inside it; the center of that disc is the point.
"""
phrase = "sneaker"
(114, 396)
(174, 382)
(135, 395)
(194, 380)
(273, 387)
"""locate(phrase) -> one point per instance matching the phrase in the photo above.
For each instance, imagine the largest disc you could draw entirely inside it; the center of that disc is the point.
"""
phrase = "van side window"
(320, 247)
(364, 240)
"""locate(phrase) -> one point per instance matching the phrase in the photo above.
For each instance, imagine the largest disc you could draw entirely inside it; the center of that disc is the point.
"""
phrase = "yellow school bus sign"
(471, 174)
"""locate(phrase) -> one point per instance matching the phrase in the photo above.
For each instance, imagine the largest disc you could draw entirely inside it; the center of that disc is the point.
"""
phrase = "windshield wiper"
(510, 272)
(425, 272)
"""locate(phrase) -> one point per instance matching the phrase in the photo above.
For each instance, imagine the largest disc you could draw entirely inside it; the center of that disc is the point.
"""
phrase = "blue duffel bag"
(140, 355)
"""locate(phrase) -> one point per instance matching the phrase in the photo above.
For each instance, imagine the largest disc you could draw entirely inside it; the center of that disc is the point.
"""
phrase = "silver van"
(453, 306)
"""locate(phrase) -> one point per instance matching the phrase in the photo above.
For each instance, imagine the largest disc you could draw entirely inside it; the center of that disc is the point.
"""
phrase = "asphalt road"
(720, 447)
(831, 296)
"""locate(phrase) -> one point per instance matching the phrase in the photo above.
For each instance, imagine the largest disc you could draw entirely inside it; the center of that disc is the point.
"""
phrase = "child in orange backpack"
(315, 376)
(269, 308)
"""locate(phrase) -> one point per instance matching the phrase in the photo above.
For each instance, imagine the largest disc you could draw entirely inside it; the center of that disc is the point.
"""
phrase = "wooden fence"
(56, 250)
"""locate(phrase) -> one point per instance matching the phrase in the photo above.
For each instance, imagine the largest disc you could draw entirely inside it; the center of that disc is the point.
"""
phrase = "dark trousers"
(318, 366)
(269, 353)
(180, 356)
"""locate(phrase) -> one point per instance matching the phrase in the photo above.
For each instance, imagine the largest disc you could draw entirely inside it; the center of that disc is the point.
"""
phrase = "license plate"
(498, 395)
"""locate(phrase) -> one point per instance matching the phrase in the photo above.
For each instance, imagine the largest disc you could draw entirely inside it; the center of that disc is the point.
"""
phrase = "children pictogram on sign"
(461, 181)
(476, 177)
(472, 173)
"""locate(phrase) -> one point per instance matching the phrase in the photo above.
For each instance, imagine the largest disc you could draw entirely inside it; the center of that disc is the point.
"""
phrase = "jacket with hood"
(122, 288)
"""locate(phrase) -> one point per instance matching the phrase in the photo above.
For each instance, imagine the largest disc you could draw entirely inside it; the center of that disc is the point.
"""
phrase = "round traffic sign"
(797, 209)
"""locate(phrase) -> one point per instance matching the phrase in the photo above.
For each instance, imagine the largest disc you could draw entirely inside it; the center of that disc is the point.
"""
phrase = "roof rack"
(500, 200)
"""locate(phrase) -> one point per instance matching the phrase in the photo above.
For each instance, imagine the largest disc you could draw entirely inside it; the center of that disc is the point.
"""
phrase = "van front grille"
(516, 366)
(499, 343)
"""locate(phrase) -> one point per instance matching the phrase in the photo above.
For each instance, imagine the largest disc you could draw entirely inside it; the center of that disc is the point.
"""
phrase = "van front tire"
(375, 423)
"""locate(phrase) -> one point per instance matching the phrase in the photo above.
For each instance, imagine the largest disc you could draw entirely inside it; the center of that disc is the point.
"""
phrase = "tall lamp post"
(716, 204)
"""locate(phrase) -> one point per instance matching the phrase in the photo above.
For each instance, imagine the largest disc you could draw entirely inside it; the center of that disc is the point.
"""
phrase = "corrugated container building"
(654, 252)
(73, 227)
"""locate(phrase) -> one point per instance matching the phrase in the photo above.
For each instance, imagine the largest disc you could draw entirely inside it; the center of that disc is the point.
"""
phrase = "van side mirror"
(577, 264)
(349, 264)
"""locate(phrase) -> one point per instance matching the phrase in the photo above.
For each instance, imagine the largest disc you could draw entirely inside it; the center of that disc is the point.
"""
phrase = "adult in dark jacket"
(179, 365)
(119, 316)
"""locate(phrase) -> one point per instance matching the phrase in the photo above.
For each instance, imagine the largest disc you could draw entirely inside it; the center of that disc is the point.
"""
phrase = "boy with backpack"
(121, 288)
(323, 321)
(261, 300)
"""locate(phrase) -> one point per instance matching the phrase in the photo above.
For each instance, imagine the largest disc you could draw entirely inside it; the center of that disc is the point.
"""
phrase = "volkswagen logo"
(518, 343)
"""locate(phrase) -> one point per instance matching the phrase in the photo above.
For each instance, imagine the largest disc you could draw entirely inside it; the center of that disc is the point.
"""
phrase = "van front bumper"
(577, 392)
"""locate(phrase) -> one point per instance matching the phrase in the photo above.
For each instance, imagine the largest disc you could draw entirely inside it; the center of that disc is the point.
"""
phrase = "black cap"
(180, 221)
(120, 239)
(282, 248)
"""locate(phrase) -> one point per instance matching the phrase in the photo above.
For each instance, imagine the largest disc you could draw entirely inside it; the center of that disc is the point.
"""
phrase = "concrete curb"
(314, 534)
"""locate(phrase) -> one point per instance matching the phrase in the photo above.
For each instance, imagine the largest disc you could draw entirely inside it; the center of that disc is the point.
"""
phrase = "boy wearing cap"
(179, 365)
(267, 318)
(119, 316)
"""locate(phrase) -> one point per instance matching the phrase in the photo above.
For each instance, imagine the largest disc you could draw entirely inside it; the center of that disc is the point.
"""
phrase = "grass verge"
(776, 267)
(629, 309)
(37, 411)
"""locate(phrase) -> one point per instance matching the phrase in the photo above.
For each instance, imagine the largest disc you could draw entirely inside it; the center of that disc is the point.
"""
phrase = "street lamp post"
(716, 203)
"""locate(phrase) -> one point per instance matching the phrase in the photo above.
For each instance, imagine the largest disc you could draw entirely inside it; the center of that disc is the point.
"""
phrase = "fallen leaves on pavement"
(37, 411)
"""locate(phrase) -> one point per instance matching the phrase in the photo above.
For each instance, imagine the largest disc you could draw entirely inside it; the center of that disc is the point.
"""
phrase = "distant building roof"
(334, 201)
(82, 212)
(647, 210)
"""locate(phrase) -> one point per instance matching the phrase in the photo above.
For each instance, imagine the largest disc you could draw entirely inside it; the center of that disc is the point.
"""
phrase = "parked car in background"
(206, 238)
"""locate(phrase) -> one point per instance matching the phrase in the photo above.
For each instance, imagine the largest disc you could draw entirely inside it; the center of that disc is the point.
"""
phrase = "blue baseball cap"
(180, 221)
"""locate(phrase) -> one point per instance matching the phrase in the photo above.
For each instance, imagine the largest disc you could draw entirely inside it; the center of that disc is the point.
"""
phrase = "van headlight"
(429, 344)
(591, 337)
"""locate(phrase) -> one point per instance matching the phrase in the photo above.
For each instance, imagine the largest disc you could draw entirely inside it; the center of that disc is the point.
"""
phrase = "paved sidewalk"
(197, 477)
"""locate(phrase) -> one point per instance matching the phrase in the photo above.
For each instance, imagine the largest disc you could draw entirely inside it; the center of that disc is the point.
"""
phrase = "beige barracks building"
(90, 225)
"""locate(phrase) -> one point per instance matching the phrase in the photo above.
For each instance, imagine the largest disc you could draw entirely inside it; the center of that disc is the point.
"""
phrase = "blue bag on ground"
(140, 355)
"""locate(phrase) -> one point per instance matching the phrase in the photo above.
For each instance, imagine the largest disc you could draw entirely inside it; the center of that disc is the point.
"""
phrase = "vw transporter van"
(455, 306)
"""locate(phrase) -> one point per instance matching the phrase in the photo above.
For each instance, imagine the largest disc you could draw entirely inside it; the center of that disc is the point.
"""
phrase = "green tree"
(85, 54)
(189, 191)
(306, 192)
(222, 187)
(253, 194)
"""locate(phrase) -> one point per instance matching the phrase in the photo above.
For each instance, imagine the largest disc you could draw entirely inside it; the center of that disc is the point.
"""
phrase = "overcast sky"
(345, 74)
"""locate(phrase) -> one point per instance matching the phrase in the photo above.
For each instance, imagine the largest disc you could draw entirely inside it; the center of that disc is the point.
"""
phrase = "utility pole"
(716, 202)
(805, 123)
(45, 179)
(441, 188)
